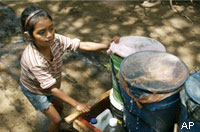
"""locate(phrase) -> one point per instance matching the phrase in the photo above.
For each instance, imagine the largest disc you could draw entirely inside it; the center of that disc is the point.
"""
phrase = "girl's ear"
(27, 35)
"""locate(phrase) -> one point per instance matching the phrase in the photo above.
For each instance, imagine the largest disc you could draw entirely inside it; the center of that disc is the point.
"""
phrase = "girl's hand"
(115, 40)
(112, 43)
(84, 108)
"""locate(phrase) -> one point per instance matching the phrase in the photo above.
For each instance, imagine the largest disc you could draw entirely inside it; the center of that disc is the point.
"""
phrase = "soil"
(86, 75)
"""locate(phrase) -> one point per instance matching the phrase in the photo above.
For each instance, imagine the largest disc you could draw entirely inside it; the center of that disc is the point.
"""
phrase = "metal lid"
(192, 87)
(154, 71)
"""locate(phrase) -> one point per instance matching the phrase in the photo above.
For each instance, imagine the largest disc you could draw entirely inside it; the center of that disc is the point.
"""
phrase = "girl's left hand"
(115, 40)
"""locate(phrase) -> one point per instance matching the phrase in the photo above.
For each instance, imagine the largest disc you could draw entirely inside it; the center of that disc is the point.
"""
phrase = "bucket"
(115, 62)
(190, 105)
(126, 46)
(116, 108)
(152, 117)
(150, 84)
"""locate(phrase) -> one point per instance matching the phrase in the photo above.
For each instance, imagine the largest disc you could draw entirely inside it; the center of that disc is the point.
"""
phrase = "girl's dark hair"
(33, 20)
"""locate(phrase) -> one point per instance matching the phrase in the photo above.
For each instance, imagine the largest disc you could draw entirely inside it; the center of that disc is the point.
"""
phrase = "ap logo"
(187, 126)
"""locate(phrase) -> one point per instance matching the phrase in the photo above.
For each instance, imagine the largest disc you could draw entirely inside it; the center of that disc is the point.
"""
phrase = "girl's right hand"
(83, 108)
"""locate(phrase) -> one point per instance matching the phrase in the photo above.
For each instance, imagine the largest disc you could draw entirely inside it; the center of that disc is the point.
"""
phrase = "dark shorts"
(39, 102)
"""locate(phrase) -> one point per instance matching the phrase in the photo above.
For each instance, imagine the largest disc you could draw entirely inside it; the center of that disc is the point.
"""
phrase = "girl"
(41, 64)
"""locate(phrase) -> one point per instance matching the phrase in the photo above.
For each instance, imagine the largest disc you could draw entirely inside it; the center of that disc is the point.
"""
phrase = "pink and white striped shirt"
(38, 73)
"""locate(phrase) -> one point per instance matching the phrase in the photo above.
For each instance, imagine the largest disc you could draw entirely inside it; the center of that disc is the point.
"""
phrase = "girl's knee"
(52, 114)
(56, 121)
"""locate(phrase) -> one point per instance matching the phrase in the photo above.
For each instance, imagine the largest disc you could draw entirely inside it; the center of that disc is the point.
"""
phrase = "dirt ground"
(86, 75)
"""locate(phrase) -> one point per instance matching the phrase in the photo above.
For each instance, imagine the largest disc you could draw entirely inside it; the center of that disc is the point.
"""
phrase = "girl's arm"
(92, 46)
(67, 99)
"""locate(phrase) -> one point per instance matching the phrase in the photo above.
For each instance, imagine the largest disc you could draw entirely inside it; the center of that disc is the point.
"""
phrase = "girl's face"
(43, 33)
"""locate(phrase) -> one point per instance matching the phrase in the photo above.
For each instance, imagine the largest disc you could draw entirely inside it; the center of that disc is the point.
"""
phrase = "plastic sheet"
(132, 44)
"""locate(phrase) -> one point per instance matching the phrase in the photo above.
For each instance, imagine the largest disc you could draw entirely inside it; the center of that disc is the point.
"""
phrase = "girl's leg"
(58, 104)
(42, 103)
(55, 118)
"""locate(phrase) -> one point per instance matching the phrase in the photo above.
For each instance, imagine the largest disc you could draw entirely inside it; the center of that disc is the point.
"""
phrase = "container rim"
(164, 90)
(188, 87)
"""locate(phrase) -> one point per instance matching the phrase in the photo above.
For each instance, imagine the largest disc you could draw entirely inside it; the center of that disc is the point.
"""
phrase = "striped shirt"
(38, 73)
